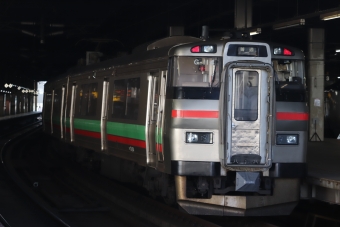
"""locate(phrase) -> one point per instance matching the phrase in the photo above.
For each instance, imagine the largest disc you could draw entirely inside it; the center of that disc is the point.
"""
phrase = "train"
(218, 127)
(332, 110)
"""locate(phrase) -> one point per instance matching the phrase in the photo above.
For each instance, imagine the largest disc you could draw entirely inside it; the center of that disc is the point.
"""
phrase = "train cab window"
(88, 95)
(290, 80)
(289, 70)
(125, 100)
(196, 77)
(246, 95)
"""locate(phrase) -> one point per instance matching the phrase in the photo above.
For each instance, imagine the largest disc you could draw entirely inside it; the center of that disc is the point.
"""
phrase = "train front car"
(238, 127)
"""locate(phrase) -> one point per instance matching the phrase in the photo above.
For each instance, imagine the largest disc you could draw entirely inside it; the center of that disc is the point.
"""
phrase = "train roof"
(158, 49)
(170, 46)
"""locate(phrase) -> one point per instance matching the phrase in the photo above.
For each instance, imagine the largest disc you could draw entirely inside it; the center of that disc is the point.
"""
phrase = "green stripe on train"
(88, 125)
(126, 130)
(114, 128)
(56, 120)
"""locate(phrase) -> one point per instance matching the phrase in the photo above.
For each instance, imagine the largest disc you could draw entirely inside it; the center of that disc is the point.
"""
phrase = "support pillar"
(243, 14)
(316, 72)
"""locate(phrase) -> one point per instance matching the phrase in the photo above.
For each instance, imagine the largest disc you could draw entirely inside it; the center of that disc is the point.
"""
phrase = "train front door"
(248, 95)
(154, 119)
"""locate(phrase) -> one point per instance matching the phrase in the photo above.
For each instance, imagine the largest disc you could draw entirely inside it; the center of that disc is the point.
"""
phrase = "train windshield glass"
(196, 77)
(246, 95)
(290, 78)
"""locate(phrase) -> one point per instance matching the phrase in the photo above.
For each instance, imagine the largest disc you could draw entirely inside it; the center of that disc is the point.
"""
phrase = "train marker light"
(287, 52)
(199, 137)
(204, 49)
(195, 49)
(282, 51)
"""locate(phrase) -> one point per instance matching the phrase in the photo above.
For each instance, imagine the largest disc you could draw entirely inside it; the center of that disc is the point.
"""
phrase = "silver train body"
(220, 127)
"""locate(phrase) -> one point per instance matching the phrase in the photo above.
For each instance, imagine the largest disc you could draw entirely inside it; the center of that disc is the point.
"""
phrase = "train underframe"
(197, 195)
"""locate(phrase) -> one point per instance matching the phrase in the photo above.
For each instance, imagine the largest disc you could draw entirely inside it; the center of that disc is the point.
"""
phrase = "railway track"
(73, 195)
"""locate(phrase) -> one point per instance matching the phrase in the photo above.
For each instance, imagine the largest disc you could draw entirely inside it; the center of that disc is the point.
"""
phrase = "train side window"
(125, 100)
(57, 102)
(88, 95)
(48, 102)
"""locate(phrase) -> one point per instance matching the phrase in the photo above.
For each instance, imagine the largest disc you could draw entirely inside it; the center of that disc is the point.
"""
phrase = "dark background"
(116, 27)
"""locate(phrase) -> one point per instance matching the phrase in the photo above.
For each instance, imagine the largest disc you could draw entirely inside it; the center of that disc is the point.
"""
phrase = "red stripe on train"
(127, 141)
(159, 147)
(292, 116)
(194, 114)
(87, 133)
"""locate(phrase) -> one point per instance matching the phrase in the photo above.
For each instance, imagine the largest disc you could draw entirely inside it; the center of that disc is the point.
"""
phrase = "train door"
(62, 115)
(86, 110)
(47, 109)
(57, 111)
(248, 95)
(154, 119)
(103, 117)
(65, 110)
(72, 110)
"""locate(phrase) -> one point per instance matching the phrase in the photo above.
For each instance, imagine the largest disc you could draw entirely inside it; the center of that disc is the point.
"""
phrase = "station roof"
(42, 39)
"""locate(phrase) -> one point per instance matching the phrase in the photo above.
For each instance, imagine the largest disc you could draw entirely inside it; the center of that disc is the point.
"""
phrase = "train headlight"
(287, 139)
(208, 49)
(199, 137)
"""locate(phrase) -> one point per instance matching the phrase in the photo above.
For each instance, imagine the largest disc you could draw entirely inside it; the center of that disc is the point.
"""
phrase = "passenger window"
(125, 100)
(57, 102)
(48, 103)
(88, 96)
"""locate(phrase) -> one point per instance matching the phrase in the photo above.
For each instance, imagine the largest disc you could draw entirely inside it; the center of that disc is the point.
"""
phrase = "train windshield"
(290, 80)
(196, 77)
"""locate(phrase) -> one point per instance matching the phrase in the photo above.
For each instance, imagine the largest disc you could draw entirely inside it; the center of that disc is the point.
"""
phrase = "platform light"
(330, 15)
(255, 31)
(289, 24)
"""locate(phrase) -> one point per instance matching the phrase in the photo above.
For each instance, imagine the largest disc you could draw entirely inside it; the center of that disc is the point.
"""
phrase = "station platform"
(323, 161)
(11, 123)
(8, 117)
